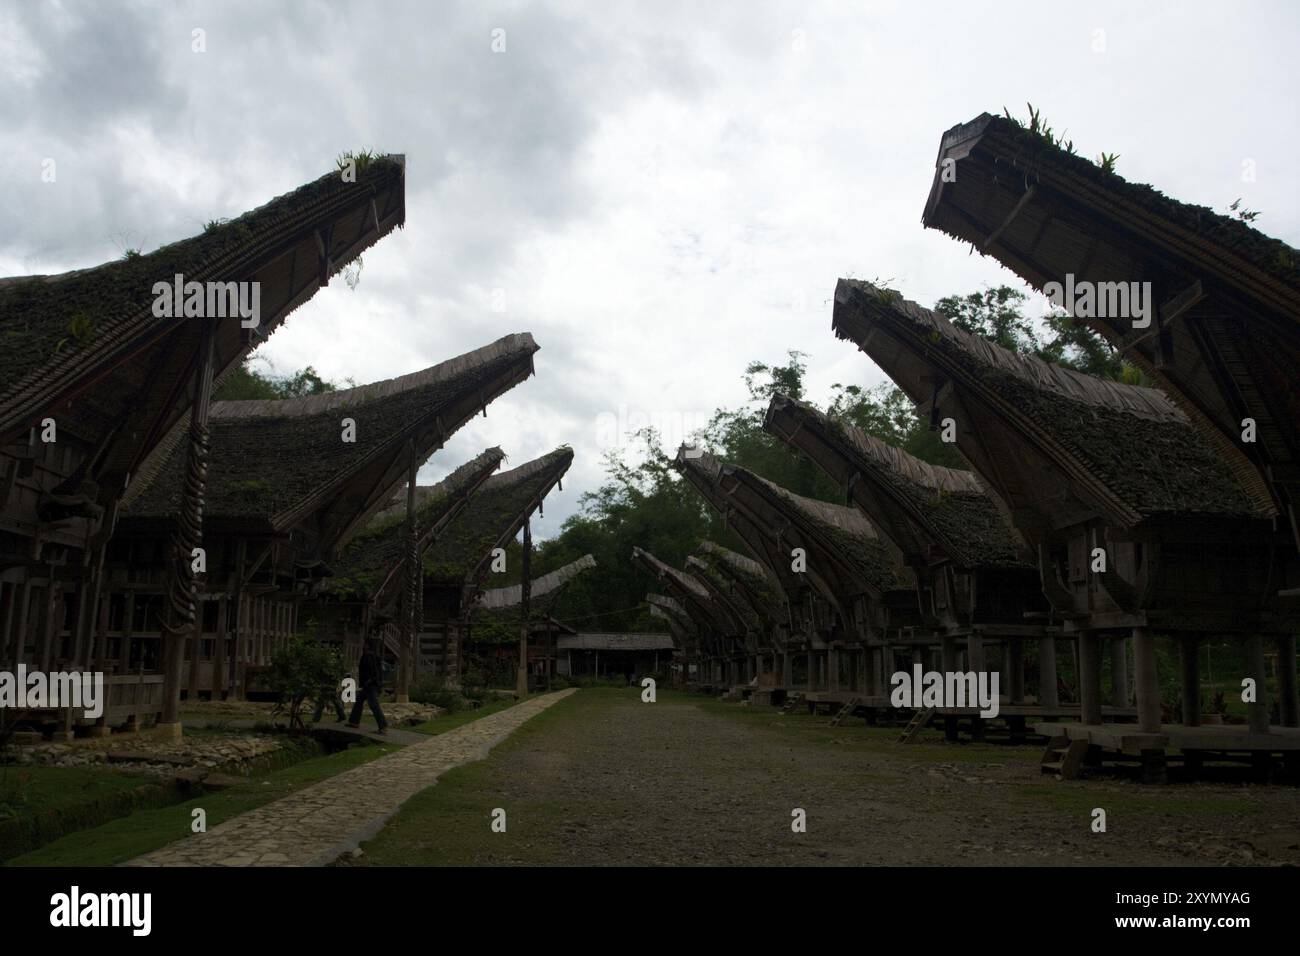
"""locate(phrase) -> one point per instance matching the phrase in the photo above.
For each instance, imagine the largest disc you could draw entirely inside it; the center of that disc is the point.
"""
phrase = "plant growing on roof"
(360, 159)
(1107, 162)
(80, 329)
(1245, 215)
(1038, 127)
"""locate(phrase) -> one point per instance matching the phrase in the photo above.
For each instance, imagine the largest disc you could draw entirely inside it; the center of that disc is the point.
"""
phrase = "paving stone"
(320, 823)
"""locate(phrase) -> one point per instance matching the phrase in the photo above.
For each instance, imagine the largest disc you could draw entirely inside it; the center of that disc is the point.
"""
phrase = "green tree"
(246, 382)
(303, 670)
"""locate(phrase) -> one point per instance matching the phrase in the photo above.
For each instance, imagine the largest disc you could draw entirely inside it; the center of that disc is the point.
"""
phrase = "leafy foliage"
(303, 670)
(246, 382)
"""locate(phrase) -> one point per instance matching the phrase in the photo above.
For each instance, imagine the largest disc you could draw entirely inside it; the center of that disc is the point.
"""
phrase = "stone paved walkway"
(318, 824)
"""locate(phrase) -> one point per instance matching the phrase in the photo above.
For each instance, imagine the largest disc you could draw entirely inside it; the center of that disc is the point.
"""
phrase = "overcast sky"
(661, 193)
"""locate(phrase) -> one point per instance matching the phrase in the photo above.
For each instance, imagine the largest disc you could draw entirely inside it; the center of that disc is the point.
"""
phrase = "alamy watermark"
(1103, 300)
(208, 300)
(921, 689)
(75, 908)
(618, 428)
(37, 690)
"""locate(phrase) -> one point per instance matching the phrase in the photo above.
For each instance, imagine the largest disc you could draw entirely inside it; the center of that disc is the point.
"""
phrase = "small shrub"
(433, 691)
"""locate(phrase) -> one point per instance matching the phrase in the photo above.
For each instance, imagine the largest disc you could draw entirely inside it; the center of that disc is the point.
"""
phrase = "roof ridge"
(360, 394)
(495, 599)
(1077, 386)
(897, 460)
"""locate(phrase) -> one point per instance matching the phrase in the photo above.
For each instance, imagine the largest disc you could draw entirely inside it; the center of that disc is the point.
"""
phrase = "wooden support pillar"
(833, 668)
(812, 669)
(406, 659)
(1047, 696)
(24, 615)
(521, 684)
(1188, 651)
(128, 632)
(1286, 681)
(948, 654)
(1147, 684)
(1258, 711)
(1089, 677)
(975, 652)
(1119, 687)
(217, 684)
(1014, 666)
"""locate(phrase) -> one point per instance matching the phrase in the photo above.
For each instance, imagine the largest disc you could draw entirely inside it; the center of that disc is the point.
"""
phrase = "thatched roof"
(86, 347)
(492, 519)
(1033, 429)
(844, 551)
(671, 610)
(278, 463)
(724, 592)
(1228, 344)
(926, 510)
(371, 560)
(703, 471)
(749, 578)
(498, 614)
(496, 599)
(701, 604)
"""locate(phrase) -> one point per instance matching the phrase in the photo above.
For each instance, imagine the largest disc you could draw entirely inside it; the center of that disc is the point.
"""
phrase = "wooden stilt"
(1048, 696)
(1258, 711)
(1119, 686)
(1090, 677)
(1286, 681)
(1188, 651)
(1146, 681)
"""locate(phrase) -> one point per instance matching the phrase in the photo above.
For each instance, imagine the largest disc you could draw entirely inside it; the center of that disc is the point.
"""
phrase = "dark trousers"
(332, 697)
(369, 695)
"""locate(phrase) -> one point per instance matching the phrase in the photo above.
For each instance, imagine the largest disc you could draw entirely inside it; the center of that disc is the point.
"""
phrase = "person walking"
(369, 679)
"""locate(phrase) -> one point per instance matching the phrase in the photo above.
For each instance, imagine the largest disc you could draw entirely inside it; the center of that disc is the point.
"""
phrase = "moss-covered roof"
(710, 575)
(951, 505)
(544, 585)
(491, 519)
(1034, 153)
(267, 457)
(845, 532)
(380, 548)
(52, 320)
(751, 577)
(1133, 440)
(498, 614)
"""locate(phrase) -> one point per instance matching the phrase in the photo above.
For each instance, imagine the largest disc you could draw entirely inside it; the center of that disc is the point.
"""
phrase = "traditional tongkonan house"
(99, 366)
(289, 482)
(499, 615)
(459, 563)
(1140, 528)
(977, 579)
(856, 571)
(749, 588)
(1219, 323)
(686, 638)
(367, 583)
(1221, 332)
(716, 626)
(800, 601)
